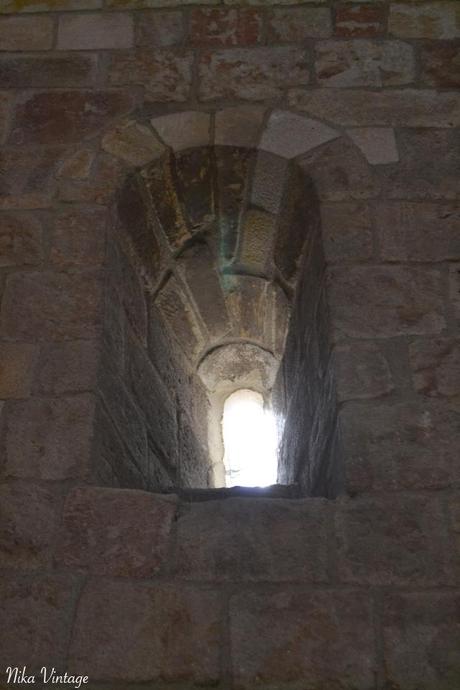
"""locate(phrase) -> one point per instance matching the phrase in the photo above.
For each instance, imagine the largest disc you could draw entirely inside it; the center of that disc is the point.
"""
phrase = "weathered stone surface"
(27, 525)
(78, 238)
(268, 2)
(183, 130)
(435, 365)
(49, 117)
(95, 31)
(425, 20)
(346, 229)
(28, 177)
(418, 231)
(385, 301)
(194, 460)
(359, 21)
(238, 365)
(225, 27)
(256, 241)
(36, 620)
(47, 5)
(47, 71)
(293, 637)
(268, 181)
(454, 289)
(56, 306)
(159, 29)
(251, 73)
(440, 64)
(139, 4)
(453, 508)
(6, 102)
(290, 135)
(395, 108)
(392, 540)
(393, 446)
(133, 143)
(26, 33)
(50, 438)
(238, 126)
(249, 306)
(116, 532)
(250, 540)
(166, 75)
(67, 367)
(77, 166)
(143, 631)
(421, 636)
(362, 371)
(364, 63)
(179, 316)
(17, 362)
(378, 144)
(299, 23)
(109, 173)
(20, 239)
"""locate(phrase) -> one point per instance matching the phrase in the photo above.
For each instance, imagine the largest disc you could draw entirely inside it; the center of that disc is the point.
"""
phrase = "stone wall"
(362, 97)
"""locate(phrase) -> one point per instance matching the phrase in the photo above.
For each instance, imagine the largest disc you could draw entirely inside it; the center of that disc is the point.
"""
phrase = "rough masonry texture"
(196, 197)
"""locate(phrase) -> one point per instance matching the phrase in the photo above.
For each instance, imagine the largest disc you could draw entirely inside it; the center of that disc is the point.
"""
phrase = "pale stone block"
(183, 130)
(95, 31)
(378, 144)
(238, 126)
(133, 143)
(268, 182)
(289, 135)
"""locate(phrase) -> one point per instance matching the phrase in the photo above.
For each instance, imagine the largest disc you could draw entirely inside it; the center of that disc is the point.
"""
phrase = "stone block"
(194, 462)
(17, 362)
(224, 28)
(257, 236)
(159, 29)
(268, 181)
(67, 367)
(26, 33)
(20, 240)
(36, 620)
(362, 371)
(28, 178)
(364, 63)
(378, 144)
(184, 130)
(385, 301)
(454, 289)
(48, 5)
(65, 117)
(298, 24)
(249, 305)
(241, 539)
(392, 108)
(289, 135)
(427, 20)
(346, 230)
(270, 2)
(139, 4)
(109, 173)
(47, 71)
(78, 238)
(132, 631)
(116, 532)
(133, 143)
(421, 231)
(49, 438)
(392, 540)
(6, 102)
(106, 31)
(421, 639)
(28, 517)
(165, 75)
(49, 305)
(77, 166)
(453, 508)
(440, 64)
(252, 74)
(238, 126)
(360, 21)
(435, 365)
(177, 312)
(392, 446)
(132, 294)
(295, 638)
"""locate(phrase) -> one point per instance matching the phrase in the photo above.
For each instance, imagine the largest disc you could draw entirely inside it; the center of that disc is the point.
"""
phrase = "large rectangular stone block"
(17, 363)
(425, 20)
(21, 240)
(79, 238)
(365, 20)
(296, 24)
(27, 179)
(435, 365)
(346, 230)
(67, 367)
(26, 33)
(225, 27)
(362, 371)
(47, 71)
(95, 31)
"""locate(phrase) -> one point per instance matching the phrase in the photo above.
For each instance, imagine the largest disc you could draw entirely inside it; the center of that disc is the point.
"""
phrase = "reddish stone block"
(47, 71)
(103, 31)
(251, 73)
(165, 75)
(393, 540)
(17, 361)
(49, 439)
(146, 631)
(67, 367)
(79, 238)
(28, 520)
(36, 620)
(250, 540)
(362, 371)
(296, 638)
(56, 306)
(421, 632)
(440, 64)
(296, 24)
(159, 29)
(360, 21)
(49, 117)
(115, 532)
(26, 33)
(225, 27)
(20, 239)
(435, 365)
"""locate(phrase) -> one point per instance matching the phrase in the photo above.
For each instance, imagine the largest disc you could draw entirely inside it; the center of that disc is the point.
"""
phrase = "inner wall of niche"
(216, 283)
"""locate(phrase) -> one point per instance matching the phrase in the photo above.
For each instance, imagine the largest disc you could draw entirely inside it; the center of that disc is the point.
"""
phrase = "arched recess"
(217, 282)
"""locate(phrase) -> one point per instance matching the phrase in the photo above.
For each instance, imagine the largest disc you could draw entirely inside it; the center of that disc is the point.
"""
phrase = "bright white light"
(250, 441)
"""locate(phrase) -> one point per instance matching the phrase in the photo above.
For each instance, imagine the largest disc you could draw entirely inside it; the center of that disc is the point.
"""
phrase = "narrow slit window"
(250, 440)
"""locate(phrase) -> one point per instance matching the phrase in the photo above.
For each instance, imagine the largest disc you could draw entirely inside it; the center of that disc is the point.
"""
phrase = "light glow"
(250, 441)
